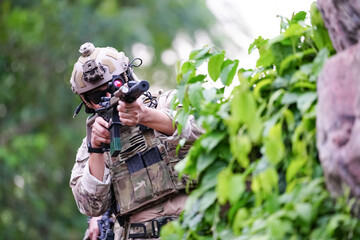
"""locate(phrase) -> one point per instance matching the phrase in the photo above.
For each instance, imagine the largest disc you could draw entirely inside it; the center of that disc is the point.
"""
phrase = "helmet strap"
(88, 107)
(78, 108)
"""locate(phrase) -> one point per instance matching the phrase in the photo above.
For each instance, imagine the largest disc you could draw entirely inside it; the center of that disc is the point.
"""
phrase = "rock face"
(338, 120)
(338, 111)
(342, 19)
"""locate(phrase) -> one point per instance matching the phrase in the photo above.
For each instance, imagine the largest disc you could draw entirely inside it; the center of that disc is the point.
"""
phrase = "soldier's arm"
(100, 134)
(92, 196)
(135, 113)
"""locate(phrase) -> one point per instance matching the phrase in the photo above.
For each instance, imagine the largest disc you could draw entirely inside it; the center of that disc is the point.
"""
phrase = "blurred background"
(39, 42)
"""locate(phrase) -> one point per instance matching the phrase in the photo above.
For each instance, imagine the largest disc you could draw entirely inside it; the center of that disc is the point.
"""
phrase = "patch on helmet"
(95, 53)
(78, 79)
(109, 64)
(112, 54)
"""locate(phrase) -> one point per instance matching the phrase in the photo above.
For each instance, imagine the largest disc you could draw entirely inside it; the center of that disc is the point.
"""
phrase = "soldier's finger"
(102, 122)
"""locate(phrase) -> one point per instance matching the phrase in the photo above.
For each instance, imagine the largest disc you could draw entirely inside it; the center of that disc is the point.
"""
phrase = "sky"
(245, 20)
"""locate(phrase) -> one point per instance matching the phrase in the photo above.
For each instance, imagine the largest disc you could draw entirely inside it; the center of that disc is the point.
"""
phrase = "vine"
(257, 163)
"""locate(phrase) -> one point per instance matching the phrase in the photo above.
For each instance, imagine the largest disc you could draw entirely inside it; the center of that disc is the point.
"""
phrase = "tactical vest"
(143, 174)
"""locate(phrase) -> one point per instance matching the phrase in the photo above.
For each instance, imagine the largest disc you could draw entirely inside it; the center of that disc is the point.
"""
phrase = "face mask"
(95, 97)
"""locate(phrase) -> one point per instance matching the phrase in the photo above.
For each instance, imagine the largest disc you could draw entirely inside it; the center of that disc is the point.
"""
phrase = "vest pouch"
(158, 171)
(123, 187)
(160, 178)
(139, 179)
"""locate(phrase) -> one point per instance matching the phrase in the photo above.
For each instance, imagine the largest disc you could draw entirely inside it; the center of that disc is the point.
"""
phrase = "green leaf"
(228, 71)
(212, 140)
(274, 144)
(200, 53)
(240, 220)
(182, 118)
(255, 128)
(243, 79)
(298, 146)
(207, 200)
(280, 51)
(269, 180)
(295, 30)
(243, 107)
(266, 57)
(271, 122)
(186, 67)
(204, 161)
(187, 72)
(300, 16)
(195, 95)
(210, 94)
(258, 43)
(214, 65)
(294, 167)
(278, 228)
(172, 231)
(276, 96)
(198, 78)
(223, 185)
(263, 84)
(289, 98)
(319, 61)
(290, 119)
(304, 210)
(291, 61)
(336, 222)
(240, 146)
(265, 183)
(305, 101)
(315, 15)
(236, 187)
(322, 39)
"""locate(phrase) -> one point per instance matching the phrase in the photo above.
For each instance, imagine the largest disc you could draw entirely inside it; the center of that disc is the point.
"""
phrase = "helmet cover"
(95, 67)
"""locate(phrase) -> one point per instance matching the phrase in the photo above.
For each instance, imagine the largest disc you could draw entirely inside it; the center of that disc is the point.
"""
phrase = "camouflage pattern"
(93, 196)
(160, 178)
(122, 186)
(142, 186)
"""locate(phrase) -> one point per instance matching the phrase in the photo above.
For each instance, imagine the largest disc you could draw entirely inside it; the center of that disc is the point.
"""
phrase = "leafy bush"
(257, 163)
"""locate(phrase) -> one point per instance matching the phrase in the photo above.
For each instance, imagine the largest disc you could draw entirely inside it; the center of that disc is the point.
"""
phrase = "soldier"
(141, 179)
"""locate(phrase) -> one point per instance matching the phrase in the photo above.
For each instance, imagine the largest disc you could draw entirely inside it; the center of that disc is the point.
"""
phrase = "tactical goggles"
(95, 96)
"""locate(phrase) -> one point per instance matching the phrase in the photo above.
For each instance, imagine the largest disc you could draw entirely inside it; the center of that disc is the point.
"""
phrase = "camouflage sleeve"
(190, 131)
(91, 195)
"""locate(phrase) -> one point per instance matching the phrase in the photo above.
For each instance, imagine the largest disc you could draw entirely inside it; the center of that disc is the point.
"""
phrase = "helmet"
(95, 67)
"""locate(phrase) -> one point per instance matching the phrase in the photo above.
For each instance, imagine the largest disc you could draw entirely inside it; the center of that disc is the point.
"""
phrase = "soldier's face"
(94, 96)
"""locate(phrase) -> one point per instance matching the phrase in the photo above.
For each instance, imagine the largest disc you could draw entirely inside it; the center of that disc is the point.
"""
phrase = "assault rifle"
(120, 90)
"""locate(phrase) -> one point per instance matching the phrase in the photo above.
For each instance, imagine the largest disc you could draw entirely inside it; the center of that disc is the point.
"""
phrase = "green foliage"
(257, 164)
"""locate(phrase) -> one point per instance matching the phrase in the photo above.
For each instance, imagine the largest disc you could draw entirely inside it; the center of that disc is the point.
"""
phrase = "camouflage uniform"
(93, 197)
